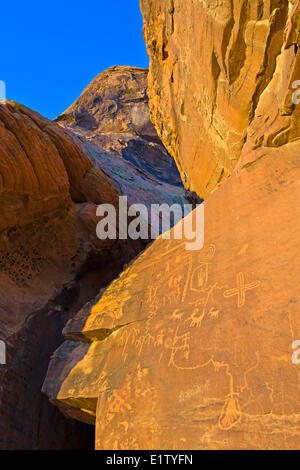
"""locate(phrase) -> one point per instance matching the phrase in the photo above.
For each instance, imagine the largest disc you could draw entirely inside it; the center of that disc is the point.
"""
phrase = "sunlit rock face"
(210, 61)
(193, 350)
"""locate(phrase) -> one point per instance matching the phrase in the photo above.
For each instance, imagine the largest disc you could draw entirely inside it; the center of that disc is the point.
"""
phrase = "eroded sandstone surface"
(193, 350)
(111, 119)
(210, 61)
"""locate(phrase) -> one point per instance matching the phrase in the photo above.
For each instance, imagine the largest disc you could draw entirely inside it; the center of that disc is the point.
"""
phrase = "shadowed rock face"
(193, 350)
(45, 244)
(48, 221)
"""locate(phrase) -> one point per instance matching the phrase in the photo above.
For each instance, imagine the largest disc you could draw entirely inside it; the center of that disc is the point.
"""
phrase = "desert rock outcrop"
(209, 64)
(112, 121)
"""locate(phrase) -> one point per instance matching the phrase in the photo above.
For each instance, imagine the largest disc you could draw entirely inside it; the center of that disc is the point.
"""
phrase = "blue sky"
(52, 50)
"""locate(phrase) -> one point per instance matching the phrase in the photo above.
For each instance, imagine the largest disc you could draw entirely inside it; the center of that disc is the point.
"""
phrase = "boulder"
(111, 121)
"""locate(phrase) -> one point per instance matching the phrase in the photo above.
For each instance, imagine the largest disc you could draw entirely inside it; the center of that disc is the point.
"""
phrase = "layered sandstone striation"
(45, 198)
(209, 64)
(193, 349)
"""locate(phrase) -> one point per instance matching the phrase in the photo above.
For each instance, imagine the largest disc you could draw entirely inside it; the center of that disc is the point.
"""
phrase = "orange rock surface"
(193, 350)
(209, 64)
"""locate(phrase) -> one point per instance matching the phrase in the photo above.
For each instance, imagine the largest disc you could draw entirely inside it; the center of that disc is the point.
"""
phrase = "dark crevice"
(273, 49)
(226, 37)
(27, 419)
(237, 53)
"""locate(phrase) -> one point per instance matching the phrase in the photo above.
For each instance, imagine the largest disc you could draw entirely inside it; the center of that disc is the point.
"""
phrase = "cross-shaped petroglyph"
(241, 289)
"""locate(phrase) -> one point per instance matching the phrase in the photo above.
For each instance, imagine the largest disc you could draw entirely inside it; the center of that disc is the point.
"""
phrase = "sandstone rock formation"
(193, 350)
(51, 262)
(209, 64)
(112, 121)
